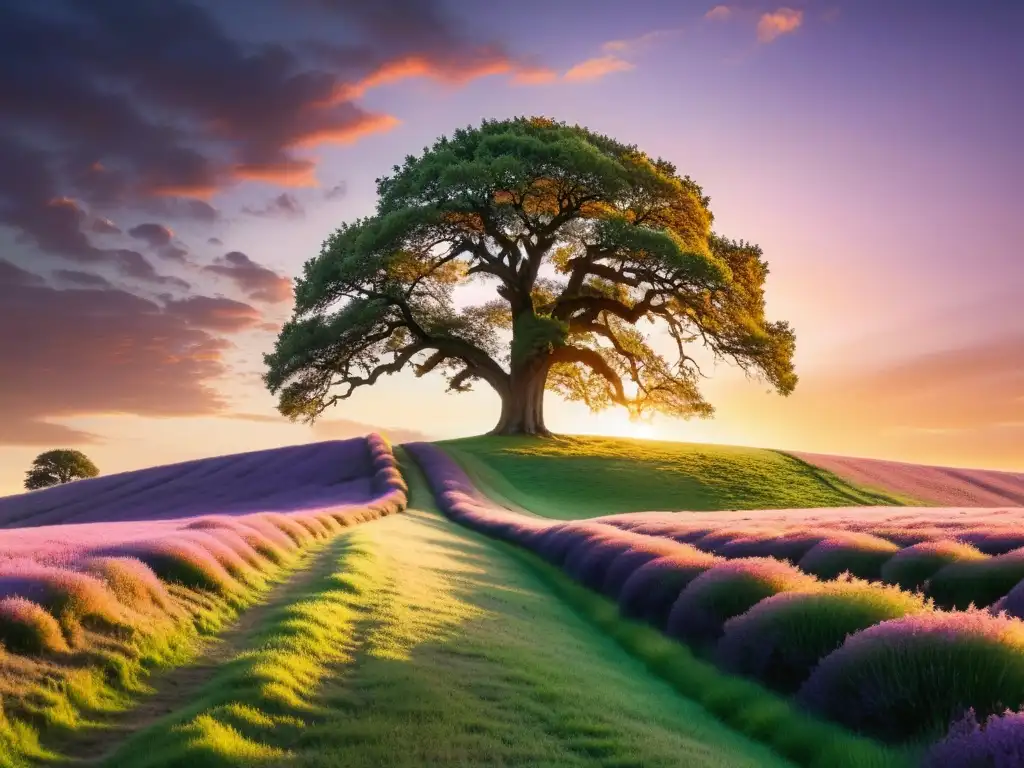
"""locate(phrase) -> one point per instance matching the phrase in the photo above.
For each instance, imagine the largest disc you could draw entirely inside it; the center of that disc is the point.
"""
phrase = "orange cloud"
(483, 64)
(719, 13)
(64, 202)
(199, 191)
(781, 22)
(596, 68)
(534, 76)
(346, 134)
(296, 173)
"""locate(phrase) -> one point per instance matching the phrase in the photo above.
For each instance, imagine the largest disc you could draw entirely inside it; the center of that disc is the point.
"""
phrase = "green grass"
(49, 701)
(744, 705)
(430, 645)
(570, 478)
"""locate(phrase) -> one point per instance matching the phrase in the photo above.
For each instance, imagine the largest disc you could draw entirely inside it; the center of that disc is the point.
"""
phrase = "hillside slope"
(274, 480)
(576, 477)
(415, 643)
(945, 486)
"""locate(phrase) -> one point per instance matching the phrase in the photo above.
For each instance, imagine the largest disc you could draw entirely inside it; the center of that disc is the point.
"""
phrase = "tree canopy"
(582, 237)
(58, 466)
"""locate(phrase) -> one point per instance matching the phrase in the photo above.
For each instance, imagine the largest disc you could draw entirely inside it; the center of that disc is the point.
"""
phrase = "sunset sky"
(167, 166)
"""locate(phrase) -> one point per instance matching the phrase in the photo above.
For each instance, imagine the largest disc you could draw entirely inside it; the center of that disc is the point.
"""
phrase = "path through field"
(177, 687)
(410, 641)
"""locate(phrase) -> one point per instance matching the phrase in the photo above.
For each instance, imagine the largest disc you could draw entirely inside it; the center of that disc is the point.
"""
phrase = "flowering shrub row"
(57, 583)
(766, 604)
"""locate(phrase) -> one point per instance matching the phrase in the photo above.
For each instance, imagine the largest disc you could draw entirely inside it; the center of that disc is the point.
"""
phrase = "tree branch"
(597, 364)
(402, 358)
(430, 363)
(459, 382)
(564, 307)
(604, 331)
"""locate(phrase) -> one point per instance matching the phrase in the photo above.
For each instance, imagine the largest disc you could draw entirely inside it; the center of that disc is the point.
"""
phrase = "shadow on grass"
(426, 645)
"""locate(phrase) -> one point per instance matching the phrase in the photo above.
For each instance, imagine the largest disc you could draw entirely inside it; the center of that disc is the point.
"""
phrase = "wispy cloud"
(596, 68)
(616, 56)
(284, 205)
(628, 45)
(337, 191)
(777, 23)
(534, 76)
(719, 13)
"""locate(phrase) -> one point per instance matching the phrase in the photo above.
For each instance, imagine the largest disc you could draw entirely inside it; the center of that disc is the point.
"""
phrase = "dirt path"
(178, 686)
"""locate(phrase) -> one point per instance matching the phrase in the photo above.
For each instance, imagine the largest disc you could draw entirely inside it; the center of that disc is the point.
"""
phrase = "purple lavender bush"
(999, 743)
(981, 582)
(1012, 603)
(638, 554)
(907, 678)
(912, 566)
(27, 628)
(653, 589)
(718, 540)
(781, 639)
(787, 545)
(726, 590)
(859, 554)
(993, 539)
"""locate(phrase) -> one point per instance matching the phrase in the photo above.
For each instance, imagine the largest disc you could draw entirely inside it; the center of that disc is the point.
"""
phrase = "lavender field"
(258, 609)
(103, 578)
(899, 624)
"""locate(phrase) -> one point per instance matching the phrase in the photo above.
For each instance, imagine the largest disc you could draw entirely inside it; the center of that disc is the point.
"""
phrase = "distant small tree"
(59, 466)
(579, 236)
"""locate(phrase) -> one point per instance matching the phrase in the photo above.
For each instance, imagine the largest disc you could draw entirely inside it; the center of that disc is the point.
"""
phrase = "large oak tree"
(582, 237)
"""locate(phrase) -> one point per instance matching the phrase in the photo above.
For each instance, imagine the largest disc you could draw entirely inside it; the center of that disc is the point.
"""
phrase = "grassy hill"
(576, 477)
(415, 643)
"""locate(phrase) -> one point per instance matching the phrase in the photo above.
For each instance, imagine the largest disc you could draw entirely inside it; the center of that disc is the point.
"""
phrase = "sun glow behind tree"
(579, 236)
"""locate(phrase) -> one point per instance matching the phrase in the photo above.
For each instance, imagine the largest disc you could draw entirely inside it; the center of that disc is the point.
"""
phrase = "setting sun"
(611, 424)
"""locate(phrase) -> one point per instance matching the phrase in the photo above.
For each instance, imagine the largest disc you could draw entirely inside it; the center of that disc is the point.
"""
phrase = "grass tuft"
(177, 560)
(133, 583)
(26, 628)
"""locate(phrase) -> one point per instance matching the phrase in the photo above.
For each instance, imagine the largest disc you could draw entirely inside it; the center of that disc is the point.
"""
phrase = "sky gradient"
(167, 168)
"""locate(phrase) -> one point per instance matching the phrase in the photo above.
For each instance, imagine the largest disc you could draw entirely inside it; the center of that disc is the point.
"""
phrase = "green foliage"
(536, 335)
(61, 465)
(638, 475)
(628, 236)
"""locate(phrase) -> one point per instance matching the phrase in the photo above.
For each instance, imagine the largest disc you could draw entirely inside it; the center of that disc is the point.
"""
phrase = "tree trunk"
(522, 408)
